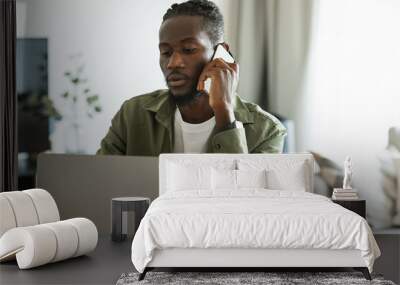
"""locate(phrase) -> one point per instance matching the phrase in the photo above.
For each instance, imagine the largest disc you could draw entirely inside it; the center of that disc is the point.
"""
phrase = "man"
(185, 118)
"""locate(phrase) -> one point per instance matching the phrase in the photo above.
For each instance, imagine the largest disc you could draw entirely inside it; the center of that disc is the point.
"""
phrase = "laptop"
(83, 185)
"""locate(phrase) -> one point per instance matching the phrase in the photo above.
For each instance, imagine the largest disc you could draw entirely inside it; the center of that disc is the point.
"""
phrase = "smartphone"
(220, 52)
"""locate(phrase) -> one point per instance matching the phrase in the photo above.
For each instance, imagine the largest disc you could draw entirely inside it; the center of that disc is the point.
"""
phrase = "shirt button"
(217, 146)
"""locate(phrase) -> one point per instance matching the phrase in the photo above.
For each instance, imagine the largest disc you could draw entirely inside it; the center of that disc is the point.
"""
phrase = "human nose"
(175, 61)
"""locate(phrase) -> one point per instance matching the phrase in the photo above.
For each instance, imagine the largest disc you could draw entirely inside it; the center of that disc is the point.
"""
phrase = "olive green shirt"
(144, 126)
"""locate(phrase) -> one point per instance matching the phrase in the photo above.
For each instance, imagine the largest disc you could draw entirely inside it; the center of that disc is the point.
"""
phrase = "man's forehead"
(182, 28)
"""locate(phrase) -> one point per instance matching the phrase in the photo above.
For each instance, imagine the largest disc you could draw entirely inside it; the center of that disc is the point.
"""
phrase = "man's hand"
(224, 80)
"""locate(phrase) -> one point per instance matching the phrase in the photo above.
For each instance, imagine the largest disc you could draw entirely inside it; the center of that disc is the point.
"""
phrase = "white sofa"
(31, 231)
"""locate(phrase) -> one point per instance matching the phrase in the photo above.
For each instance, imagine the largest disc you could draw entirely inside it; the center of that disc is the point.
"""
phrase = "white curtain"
(270, 39)
(332, 67)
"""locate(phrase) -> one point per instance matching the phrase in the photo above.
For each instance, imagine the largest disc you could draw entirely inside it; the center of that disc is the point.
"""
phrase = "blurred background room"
(328, 69)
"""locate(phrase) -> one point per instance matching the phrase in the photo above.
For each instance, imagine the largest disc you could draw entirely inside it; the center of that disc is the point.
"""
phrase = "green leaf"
(75, 80)
(87, 90)
(97, 109)
(65, 95)
(91, 99)
(67, 73)
(55, 113)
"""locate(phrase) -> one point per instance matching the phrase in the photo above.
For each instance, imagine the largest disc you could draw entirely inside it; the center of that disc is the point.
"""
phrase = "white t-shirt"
(191, 138)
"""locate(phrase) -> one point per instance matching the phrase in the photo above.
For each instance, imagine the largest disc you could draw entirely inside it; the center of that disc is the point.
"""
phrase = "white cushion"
(231, 180)
(33, 246)
(46, 207)
(251, 178)
(293, 180)
(67, 239)
(87, 233)
(40, 244)
(224, 179)
(7, 218)
(231, 162)
(26, 208)
(282, 174)
(23, 208)
(183, 177)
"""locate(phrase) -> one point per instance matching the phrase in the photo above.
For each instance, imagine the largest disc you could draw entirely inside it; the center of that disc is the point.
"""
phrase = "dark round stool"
(119, 221)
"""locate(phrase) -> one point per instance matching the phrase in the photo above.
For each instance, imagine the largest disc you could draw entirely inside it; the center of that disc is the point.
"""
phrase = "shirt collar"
(164, 107)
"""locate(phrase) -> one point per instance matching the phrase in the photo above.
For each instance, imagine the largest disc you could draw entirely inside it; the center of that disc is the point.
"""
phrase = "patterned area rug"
(275, 278)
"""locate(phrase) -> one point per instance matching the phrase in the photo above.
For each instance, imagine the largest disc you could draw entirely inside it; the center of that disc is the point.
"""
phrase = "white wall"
(351, 91)
(118, 40)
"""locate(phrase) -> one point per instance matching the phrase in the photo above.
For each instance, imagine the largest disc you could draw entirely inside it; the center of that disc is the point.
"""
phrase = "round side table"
(119, 207)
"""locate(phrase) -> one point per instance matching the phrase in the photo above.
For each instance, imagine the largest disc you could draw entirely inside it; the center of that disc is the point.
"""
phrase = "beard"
(185, 99)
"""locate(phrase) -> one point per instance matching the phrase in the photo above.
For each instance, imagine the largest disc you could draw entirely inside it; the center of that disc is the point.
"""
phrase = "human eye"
(189, 50)
(165, 52)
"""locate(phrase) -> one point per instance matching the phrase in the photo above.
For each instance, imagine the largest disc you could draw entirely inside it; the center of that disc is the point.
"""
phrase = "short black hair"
(213, 21)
